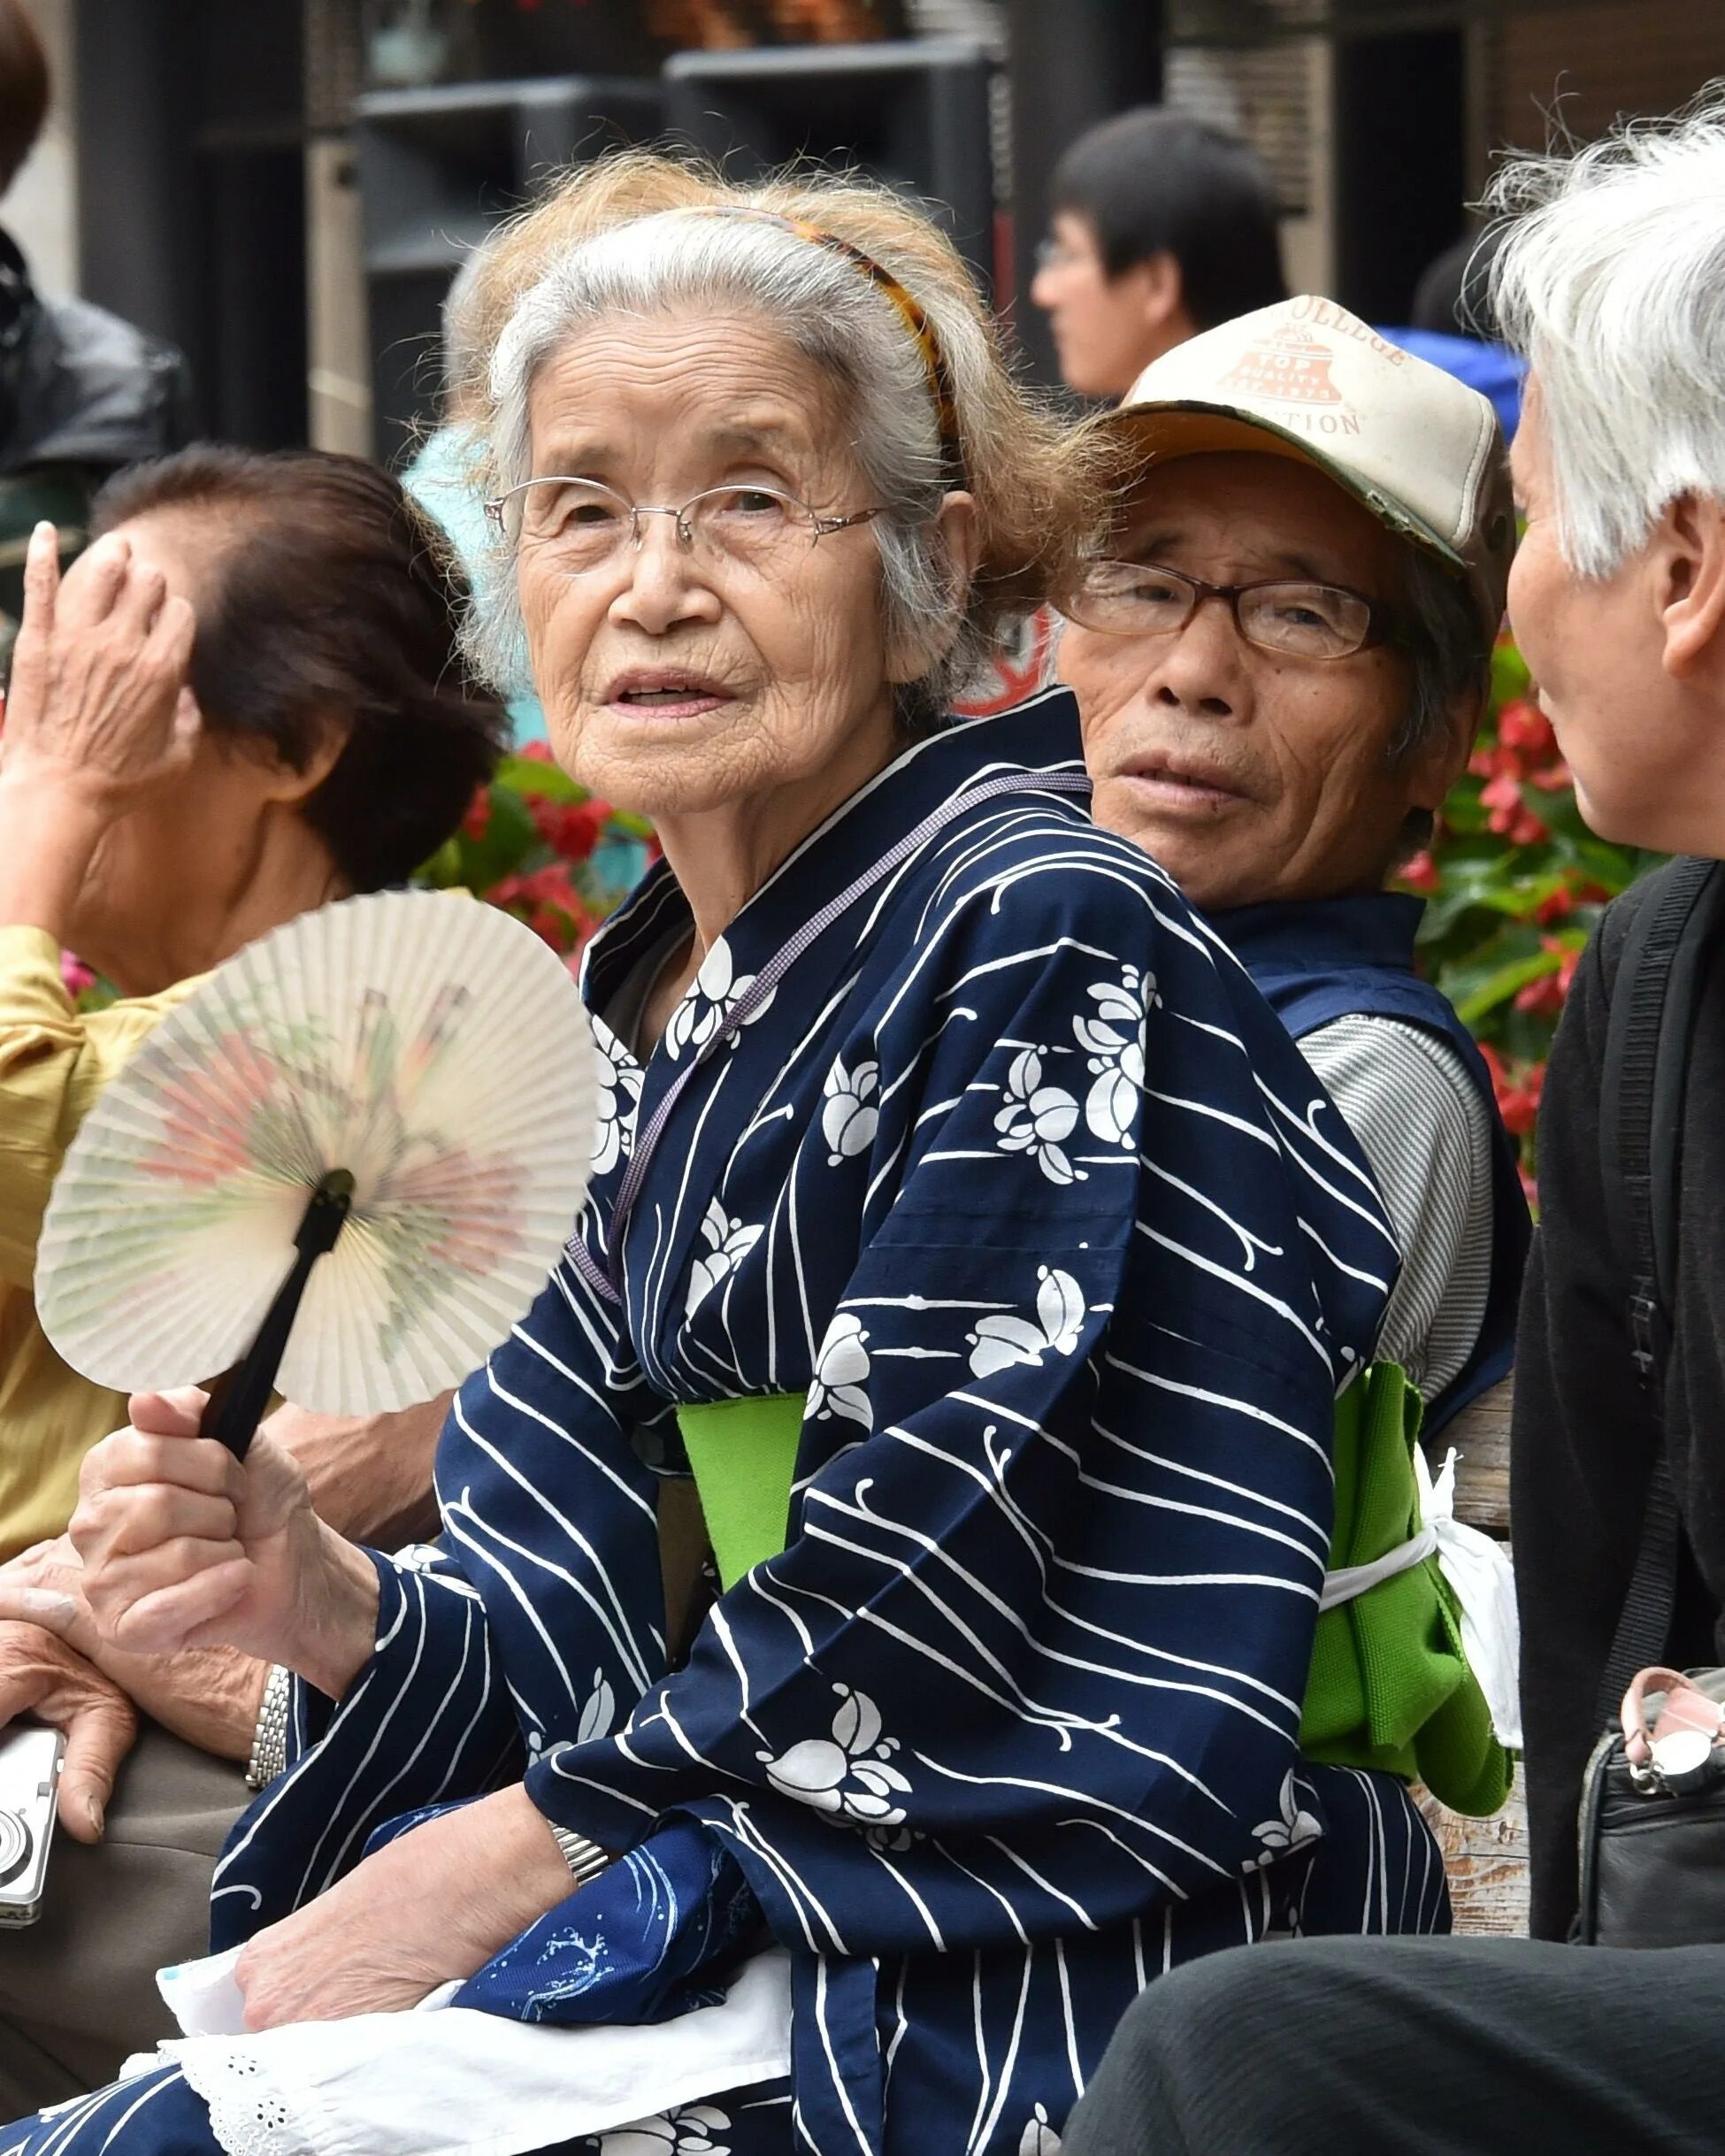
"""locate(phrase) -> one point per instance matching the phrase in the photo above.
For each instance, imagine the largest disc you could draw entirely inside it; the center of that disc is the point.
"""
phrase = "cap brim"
(1190, 428)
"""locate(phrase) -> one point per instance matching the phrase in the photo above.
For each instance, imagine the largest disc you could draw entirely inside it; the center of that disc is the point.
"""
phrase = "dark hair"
(24, 88)
(335, 602)
(1454, 295)
(1153, 182)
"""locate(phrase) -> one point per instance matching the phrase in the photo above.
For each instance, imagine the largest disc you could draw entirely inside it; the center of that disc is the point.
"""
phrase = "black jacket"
(79, 387)
(1582, 1446)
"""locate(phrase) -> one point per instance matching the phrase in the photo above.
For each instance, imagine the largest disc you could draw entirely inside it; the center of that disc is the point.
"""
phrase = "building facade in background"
(283, 187)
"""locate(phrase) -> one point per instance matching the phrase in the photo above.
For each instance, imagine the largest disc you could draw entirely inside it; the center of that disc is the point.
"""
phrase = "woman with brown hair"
(246, 699)
(301, 727)
(966, 1231)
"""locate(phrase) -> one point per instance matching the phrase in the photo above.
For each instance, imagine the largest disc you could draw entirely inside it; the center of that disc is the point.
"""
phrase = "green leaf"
(510, 837)
(538, 780)
(1510, 679)
(1505, 983)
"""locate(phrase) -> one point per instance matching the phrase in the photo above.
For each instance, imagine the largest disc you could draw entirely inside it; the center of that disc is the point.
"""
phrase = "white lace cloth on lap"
(444, 2081)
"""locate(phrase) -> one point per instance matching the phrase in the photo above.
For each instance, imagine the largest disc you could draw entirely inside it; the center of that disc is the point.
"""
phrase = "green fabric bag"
(1388, 1686)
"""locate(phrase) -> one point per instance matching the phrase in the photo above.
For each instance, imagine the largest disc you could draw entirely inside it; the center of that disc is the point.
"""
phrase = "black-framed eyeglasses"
(1291, 617)
(581, 524)
(1056, 254)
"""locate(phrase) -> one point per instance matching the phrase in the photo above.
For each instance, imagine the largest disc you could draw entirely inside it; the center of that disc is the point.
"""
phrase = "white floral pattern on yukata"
(1008, 1726)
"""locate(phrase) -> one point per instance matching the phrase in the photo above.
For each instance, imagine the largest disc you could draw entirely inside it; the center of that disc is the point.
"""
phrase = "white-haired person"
(1611, 279)
(966, 1226)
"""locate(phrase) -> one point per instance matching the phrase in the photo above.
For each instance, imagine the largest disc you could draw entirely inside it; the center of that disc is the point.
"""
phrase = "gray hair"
(1448, 658)
(1611, 280)
(830, 312)
(1448, 655)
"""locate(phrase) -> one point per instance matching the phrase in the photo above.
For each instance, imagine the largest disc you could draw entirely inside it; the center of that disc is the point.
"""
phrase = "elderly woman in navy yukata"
(966, 1224)
(1280, 663)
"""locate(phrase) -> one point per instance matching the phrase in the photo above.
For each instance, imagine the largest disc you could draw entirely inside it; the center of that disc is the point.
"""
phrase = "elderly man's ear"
(1437, 767)
(956, 544)
(1686, 557)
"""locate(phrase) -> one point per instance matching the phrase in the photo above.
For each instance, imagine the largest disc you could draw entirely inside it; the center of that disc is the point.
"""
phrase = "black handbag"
(1652, 1827)
(1652, 1838)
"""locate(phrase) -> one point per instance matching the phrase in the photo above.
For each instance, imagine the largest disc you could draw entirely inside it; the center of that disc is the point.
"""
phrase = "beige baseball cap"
(1307, 379)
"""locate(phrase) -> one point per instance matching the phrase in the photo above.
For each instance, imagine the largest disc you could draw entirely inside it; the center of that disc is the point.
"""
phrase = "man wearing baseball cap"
(1280, 669)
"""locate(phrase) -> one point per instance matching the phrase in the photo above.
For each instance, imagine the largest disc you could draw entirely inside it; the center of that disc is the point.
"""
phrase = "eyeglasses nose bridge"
(679, 519)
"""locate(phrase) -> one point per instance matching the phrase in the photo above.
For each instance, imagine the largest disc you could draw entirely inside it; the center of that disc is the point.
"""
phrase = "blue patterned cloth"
(1017, 1176)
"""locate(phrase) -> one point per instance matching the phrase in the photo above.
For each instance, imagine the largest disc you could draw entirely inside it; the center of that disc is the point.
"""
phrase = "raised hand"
(98, 700)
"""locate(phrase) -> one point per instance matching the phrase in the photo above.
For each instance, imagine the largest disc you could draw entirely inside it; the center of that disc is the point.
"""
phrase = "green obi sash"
(744, 1454)
(1390, 1687)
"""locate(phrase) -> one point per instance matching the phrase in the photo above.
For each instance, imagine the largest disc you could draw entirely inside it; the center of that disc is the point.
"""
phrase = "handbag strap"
(1654, 1000)
(605, 1280)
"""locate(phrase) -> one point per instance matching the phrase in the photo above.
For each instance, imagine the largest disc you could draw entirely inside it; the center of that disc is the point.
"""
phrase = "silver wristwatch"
(269, 1743)
(586, 1860)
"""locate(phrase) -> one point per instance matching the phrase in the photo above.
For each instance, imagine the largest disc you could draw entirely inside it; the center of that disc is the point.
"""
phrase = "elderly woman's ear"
(281, 778)
(957, 547)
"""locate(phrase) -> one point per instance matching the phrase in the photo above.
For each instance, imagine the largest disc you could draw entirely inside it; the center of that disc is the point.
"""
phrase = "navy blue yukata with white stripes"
(1015, 1176)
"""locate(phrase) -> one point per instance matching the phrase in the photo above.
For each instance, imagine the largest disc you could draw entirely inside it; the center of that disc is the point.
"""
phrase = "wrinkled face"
(675, 681)
(1247, 774)
(1595, 649)
(1104, 327)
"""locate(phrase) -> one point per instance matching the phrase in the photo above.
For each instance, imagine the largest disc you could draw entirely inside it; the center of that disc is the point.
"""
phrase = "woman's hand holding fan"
(351, 1158)
(184, 1546)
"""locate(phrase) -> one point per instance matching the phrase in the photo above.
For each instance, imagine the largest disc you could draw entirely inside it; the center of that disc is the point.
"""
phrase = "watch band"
(269, 1743)
(586, 1860)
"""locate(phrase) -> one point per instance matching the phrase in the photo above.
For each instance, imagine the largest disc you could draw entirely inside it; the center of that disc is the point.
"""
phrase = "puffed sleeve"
(54, 1064)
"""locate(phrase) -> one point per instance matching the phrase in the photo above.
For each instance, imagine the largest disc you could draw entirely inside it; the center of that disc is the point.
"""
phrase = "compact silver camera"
(30, 1759)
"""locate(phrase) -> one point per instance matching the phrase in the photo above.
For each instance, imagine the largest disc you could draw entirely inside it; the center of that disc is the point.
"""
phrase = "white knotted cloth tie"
(1478, 1573)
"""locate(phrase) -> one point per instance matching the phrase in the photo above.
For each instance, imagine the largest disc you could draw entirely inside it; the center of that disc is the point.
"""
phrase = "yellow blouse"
(53, 1064)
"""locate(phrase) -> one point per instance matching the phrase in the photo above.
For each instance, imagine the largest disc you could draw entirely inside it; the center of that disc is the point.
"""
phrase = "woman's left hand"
(436, 1904)
(97, 700)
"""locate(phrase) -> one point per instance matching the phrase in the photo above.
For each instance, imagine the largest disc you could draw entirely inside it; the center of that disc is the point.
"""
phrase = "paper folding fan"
(343, 1167)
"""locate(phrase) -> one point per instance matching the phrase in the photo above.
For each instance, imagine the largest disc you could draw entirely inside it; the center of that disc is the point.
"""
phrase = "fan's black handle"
(238, 1398)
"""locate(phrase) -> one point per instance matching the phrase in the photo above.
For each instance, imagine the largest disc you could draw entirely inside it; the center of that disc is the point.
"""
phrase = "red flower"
(1518, 1094)
(1419, 873)
(76, 975)
(476, 821)
(550, 905)
(1511, 819)
(1542, 997)
(1564, 900)
(1524, 727)
(570, 829)
(1545, 996)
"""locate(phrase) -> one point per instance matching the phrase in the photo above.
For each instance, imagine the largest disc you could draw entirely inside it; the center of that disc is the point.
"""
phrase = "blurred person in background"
(1453, 325)
(1280, 670)
(245, 699)
(1161, 226)
(444, 477)
(81, 392)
